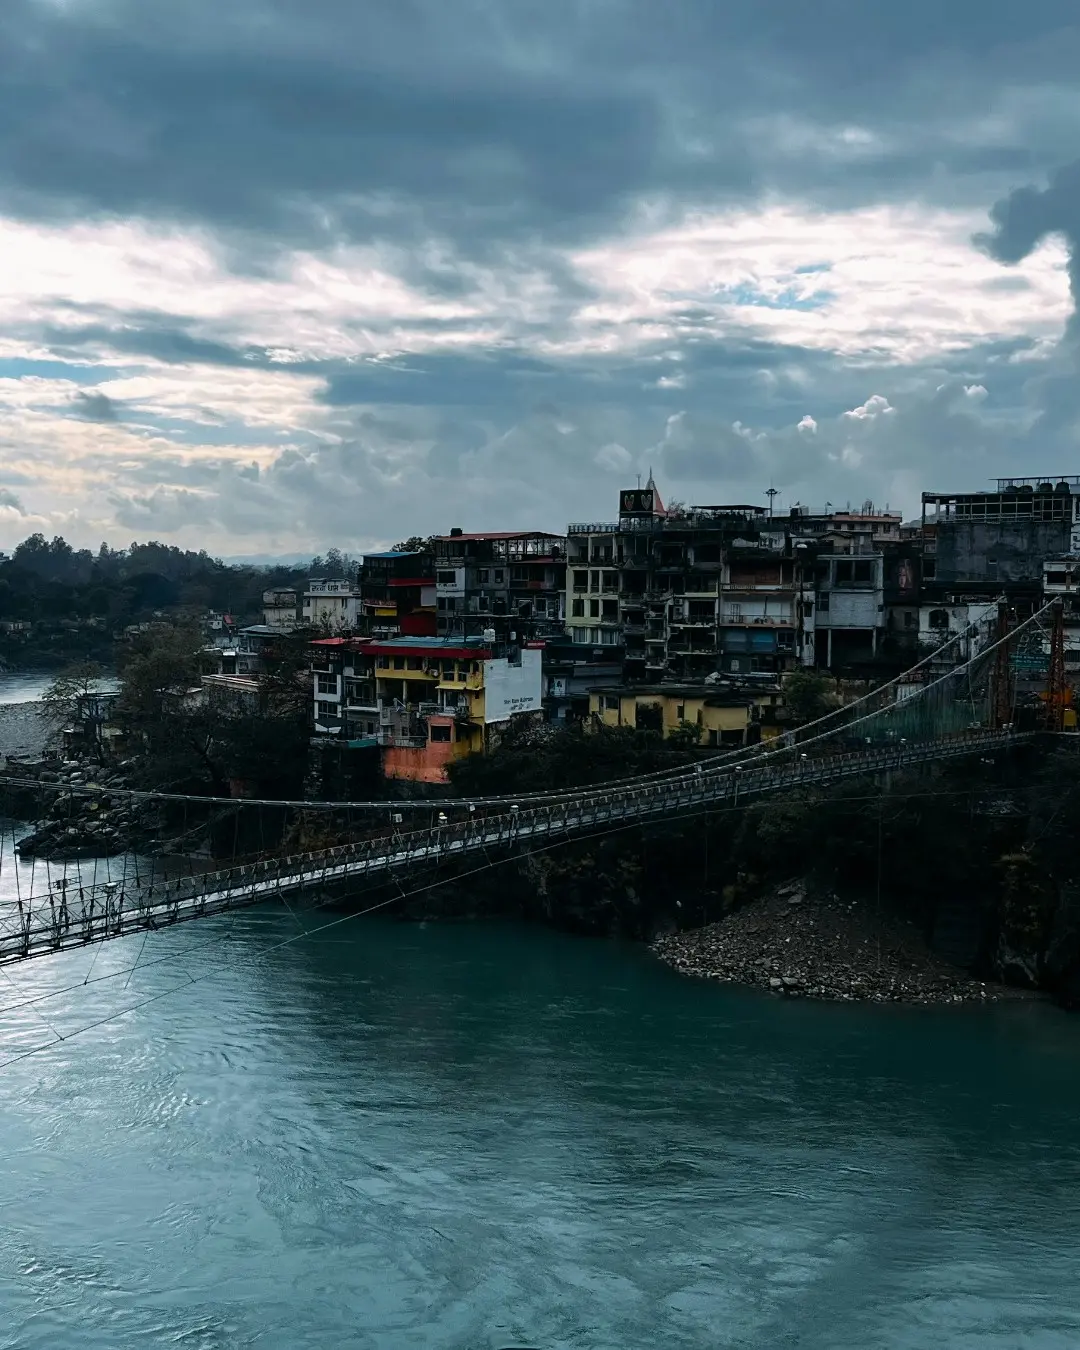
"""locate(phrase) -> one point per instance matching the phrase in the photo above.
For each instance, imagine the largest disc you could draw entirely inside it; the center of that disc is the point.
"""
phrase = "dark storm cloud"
(1024, 218)
(95, 406)
(307, 123)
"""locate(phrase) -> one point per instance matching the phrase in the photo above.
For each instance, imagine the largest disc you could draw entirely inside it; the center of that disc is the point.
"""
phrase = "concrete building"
(281, 610)
(850, 608)
(692, 591)
(397, 594)
(511, 581)
(570, 671)
(996, 542)
(423, 701)
(331, 603)
(591, 598)
(719, 717)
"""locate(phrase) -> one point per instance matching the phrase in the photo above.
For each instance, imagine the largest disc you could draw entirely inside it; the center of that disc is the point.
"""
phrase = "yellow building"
(721, 717)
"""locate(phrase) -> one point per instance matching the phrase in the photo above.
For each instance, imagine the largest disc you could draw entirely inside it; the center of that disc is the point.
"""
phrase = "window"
(327, 711)
(326, 684)
(581, 581)
(807, 608)
(863, 573)
(446, 578)
(823, 604)
(939, 618)
(577, 609)
(482, 576)
(594, 609)
(910, 621)
(680, 711)
(399, 663)
(594, 581)
(611, 702)
(440, 733)
(484, 603)
(842, 575)
(611, 609)
(929, 569)
(499, 575)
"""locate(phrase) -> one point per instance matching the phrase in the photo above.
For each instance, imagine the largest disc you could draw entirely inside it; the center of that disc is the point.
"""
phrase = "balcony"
(592, 527)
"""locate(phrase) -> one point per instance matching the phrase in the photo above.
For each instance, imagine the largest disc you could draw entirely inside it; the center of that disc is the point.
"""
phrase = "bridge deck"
(78, 916)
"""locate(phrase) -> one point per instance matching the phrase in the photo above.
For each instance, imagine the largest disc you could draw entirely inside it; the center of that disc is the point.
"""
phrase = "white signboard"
(510, 689)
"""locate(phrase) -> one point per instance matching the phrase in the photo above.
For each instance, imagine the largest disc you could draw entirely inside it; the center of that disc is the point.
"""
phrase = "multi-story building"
(397, 594)
(591, 598)
(510, 581)
(693, 591)
(333, 603)
(343, 679)
(424, 701)
(850, 608)
(571, 669)
(280, 610)
(995, 543)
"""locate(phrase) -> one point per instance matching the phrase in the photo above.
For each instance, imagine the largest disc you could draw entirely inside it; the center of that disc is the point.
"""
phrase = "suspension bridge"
(941, 709)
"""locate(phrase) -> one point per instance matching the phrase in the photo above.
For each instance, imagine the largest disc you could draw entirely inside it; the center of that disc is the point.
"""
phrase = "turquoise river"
(468, 1137)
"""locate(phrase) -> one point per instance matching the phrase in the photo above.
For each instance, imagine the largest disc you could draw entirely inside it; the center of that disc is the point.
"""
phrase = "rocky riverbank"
(75, 825)
(802, 945)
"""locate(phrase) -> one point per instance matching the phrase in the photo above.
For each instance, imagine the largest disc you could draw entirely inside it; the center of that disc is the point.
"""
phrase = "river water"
(472, 1136)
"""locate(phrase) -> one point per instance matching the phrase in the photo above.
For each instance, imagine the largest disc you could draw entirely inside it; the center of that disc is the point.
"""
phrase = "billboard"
(512, 686)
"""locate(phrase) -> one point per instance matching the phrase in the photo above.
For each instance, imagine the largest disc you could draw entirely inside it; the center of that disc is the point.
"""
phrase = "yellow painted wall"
(694, 710)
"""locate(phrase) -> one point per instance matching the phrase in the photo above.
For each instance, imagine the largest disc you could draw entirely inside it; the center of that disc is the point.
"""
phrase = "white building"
(331, 603)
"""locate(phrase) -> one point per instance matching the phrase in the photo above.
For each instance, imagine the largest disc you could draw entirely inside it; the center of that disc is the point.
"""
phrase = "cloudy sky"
(281, 274)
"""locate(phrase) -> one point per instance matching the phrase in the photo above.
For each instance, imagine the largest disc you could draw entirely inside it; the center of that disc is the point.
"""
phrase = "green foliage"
(685, 736)
(200, 746)
(808, 694)
(76, 599)
(417, 543)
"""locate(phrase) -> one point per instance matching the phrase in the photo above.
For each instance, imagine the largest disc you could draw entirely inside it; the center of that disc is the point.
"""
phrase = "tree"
(60, 701)
(808, 695)
(71, 692)
(417, 543)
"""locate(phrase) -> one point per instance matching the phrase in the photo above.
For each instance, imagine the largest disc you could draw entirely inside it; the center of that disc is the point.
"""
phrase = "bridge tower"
(1057, 696)
(1001, 678)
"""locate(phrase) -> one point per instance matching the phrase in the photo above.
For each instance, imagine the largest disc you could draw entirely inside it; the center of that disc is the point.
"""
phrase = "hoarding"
(512, 687)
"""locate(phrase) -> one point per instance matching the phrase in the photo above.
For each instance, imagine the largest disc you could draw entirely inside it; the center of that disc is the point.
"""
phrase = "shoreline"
(795, 945)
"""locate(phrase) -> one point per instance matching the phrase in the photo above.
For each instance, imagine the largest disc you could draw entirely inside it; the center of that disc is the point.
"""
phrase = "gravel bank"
(823, 947)
(23, 731)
